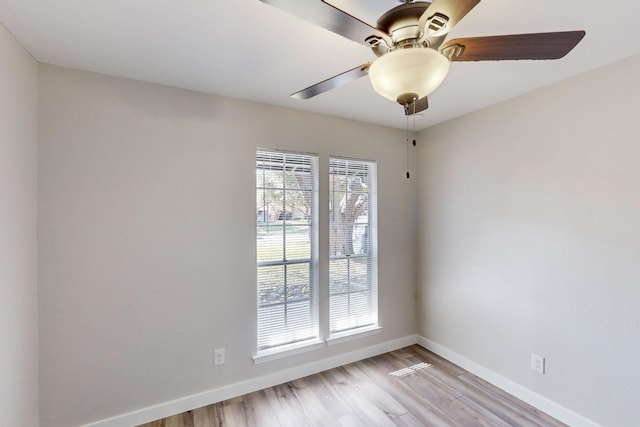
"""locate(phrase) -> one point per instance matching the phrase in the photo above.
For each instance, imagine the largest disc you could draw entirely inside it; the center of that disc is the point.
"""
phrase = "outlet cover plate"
(537, 363)
(218, 357)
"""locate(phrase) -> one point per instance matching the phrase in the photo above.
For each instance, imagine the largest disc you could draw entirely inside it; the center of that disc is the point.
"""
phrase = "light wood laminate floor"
(406, 387)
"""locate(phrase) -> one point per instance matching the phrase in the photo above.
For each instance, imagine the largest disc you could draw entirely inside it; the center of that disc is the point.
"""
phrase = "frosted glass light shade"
(416, 71)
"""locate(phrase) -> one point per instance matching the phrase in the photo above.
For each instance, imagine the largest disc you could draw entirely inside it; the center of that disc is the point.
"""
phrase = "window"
(286, 243)
(353, 250)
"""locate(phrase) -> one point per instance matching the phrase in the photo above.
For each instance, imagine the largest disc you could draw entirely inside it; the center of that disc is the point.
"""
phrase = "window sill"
(353, 334)
(287, 351)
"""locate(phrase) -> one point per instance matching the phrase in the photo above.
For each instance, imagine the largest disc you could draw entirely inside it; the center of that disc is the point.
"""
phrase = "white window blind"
(353, 299)
(286, 247)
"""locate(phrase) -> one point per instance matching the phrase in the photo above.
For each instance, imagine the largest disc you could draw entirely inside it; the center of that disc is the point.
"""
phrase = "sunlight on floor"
(410, 369)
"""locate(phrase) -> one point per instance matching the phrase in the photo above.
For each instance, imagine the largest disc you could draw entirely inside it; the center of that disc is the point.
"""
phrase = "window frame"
(311, 338)
(370, 255)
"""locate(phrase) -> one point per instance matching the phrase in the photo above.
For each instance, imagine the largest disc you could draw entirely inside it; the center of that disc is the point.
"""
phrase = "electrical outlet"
(537, 363)
(218, 357)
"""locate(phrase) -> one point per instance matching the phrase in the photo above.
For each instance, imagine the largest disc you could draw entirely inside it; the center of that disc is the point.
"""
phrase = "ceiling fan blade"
(416, 107)
(326, 15)
(442, 15)
(333, 82)
(512, 47)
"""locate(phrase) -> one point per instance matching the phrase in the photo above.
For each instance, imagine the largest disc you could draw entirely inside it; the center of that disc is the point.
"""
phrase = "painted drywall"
(147, 240)
(18, 234)
(529, 240)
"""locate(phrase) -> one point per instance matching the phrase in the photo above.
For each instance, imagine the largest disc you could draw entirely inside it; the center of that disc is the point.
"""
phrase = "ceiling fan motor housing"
(401, 22)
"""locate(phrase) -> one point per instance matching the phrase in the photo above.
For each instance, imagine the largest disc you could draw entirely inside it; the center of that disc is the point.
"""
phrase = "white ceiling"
(249, 50)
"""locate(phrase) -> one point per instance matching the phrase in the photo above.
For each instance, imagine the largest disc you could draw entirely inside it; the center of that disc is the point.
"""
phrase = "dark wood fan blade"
(453, 10)
(512, 47)
(333, 82)
(325, 15)
(418, 106)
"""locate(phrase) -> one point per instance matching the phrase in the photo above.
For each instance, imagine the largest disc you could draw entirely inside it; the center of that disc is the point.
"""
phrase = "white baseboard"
(542, 403)
(199, 400)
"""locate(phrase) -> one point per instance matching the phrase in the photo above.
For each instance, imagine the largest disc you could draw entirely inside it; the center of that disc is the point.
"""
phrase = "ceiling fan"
(409, 42)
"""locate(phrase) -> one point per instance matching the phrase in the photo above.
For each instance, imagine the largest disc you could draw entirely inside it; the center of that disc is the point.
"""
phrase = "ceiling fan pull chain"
(413, 114)
(414, 123)
(407, 147)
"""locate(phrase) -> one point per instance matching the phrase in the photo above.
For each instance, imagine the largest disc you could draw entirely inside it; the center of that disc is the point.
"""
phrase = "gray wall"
(529, 219)
(147, 240)
(18, 245)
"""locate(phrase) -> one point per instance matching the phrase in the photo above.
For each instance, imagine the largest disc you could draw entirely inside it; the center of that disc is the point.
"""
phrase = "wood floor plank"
(364, 409)
(376, 394)
(495, 417)
(430, 396)
(428, 403)
(408, 420)
(351, 420)
(291, 413)
(180, 420)
(313, 408)
(423, 400)
(409, 387)
(238, 414)
(501, 402)
(264, 415)
(272, 399)
(327, 397)
(201, 417)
